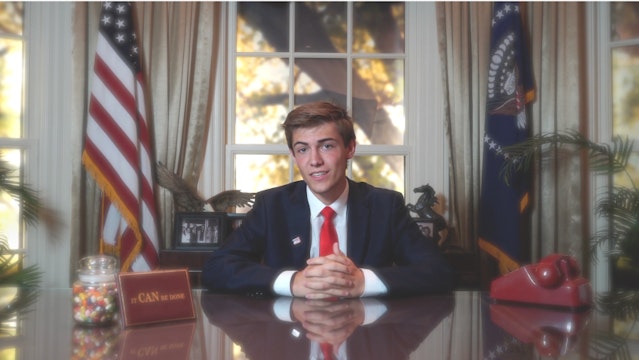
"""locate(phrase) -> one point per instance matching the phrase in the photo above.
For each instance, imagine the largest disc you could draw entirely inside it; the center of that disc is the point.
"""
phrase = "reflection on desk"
(394, 333)
(553, 332)
(463, 325)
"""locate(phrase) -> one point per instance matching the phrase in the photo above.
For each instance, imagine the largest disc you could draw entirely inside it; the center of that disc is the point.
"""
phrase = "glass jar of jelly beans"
(95, 298)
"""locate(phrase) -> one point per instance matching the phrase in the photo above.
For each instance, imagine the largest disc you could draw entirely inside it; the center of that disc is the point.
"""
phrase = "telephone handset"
(554, 281)
(553, 270)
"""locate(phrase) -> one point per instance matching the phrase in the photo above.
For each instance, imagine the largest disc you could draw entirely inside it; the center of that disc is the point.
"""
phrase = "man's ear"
(350, 149)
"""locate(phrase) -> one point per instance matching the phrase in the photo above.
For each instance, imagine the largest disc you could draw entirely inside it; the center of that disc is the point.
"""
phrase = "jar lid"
(97, 268)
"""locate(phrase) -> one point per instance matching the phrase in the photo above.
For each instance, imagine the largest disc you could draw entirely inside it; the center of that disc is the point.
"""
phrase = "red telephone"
(554, 281)
(553, 332)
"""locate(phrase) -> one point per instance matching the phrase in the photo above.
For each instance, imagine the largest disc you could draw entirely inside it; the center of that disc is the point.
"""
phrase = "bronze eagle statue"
(187, 199)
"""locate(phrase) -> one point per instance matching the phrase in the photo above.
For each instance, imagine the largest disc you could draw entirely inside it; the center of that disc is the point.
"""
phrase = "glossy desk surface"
(462, 325)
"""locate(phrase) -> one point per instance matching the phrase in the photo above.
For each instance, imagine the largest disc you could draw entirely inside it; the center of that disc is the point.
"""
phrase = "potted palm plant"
(619, 205)
(18, 284)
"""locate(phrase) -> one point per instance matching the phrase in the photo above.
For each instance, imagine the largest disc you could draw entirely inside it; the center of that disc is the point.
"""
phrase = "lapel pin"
(296, 241)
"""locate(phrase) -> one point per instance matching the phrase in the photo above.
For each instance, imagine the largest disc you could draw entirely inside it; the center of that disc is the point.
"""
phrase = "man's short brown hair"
(317, 113)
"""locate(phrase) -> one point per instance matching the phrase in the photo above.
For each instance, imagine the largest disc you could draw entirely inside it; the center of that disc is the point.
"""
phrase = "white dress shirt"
(372, 284)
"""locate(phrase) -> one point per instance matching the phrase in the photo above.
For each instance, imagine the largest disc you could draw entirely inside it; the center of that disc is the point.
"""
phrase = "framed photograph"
(199, 230)
(432, 229)
(427, 227)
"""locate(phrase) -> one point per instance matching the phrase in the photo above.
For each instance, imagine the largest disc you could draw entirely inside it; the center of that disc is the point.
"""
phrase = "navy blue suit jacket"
(276, 235)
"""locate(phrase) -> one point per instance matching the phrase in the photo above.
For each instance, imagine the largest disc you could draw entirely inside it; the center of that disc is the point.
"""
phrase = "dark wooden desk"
(462, 325)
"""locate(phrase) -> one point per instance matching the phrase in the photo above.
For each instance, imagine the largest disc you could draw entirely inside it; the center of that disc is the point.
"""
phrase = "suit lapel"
(357, 223)
(299, 225)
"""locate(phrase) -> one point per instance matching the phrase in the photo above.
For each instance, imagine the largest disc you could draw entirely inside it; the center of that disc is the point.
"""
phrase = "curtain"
(461, 27)
(179, 42)
(557, 45)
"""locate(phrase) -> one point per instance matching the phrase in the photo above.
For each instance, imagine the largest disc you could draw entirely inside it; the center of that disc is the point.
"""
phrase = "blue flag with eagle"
(510, 88)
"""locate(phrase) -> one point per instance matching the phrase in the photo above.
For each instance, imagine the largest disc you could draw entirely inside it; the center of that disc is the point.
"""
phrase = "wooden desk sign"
(154, 297)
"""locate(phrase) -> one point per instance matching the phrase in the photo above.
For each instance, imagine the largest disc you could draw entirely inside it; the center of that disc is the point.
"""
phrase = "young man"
(380, 249)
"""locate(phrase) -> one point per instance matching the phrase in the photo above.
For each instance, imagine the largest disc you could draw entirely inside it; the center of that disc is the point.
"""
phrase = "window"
(286, 54)
(624, 52)
(614, 93)
(12, 145)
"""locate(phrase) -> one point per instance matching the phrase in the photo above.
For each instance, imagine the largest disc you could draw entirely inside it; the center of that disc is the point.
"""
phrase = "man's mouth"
(319, 174)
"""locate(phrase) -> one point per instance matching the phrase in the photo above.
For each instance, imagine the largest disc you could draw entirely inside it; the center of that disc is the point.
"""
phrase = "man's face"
(320, 155)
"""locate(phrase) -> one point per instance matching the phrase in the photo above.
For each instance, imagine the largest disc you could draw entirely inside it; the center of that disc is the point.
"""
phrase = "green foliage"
(26, 281)
(620, 205)
(619, 304)
(12, 273)
(603, 158)
(26, 197)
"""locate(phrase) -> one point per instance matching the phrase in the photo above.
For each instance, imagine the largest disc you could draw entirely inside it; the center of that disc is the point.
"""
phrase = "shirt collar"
(316, 205)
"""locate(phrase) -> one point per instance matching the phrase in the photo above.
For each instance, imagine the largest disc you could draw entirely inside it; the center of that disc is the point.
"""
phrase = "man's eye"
(301, 150)
(327, 146)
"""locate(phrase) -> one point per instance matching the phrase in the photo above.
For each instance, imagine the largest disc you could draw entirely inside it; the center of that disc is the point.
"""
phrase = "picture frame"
(433, 230)
(199, 230)
(427, 227)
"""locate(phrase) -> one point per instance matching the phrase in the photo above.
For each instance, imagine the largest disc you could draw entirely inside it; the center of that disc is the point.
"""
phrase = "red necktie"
(327, 351)
(328, 235)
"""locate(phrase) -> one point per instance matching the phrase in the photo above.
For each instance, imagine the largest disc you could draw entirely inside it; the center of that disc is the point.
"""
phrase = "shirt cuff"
(373, 310)
(282, 308)
(282, 284)
(373, 286)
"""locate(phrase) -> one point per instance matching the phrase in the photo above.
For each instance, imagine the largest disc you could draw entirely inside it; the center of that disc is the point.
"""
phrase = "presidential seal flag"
(503, 207)
(117, 149)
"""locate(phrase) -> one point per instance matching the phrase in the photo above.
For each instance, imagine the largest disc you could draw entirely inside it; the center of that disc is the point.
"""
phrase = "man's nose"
(316, 158)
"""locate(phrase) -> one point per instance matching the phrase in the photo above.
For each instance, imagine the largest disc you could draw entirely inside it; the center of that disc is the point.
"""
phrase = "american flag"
(117, 149)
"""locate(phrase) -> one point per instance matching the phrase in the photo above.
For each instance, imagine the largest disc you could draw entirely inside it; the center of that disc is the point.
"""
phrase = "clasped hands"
(329, 322)
(330, 276)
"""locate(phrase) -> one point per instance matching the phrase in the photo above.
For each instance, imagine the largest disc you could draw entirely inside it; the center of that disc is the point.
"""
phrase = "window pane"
(262, 27)
(259, 172)
(378, 103)
(262, 100)
(378, 27)
(381, 171)
(624, 20)
(625, 103)
(11, 15)
(322, 79)
(320, 27)
(8, 353)
(9, 208)
(10, 87)
(625, 90)
(633, 171)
